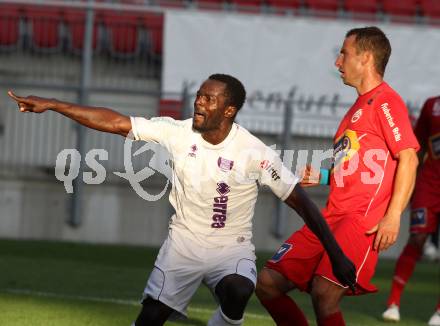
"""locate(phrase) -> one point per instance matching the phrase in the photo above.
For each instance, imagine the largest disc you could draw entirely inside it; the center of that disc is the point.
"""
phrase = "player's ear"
(367, 57)
(230, 111)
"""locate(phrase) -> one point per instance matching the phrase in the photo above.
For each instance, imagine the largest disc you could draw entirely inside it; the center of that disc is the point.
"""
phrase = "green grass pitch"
(68, 284)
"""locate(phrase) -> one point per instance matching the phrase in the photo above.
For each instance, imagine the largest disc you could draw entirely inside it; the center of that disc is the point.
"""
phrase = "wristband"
(324, 178)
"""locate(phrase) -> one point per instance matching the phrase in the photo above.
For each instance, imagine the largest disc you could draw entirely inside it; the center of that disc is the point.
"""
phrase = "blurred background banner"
(282, 59)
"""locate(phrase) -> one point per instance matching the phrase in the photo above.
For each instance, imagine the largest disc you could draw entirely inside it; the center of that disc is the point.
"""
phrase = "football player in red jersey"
(371, 181)
(425, 207)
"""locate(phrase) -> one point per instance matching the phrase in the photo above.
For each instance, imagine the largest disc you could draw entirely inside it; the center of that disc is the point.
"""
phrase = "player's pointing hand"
(31, 103)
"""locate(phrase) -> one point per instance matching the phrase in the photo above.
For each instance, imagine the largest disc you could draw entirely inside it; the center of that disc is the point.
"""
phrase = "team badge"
(224, 164)
(418, 217)
(356, 116)
(223, 188)
(284, 249)
(193, 150)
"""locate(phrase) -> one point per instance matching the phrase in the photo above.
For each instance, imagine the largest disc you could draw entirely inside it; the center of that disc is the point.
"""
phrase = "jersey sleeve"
(395, 124)
(422, 126)
(274, 174)
(160, 130)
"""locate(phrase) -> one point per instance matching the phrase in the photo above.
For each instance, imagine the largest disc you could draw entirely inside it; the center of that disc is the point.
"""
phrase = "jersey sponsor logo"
(284, 249)
(356, 116)
(268, 166)
(220, 205)
(387, 112)
(418, 217)
(345, 147)
(193, 150)
(225, 164)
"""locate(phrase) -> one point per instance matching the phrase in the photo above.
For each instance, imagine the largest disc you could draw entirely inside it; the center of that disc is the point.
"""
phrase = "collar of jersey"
(225, 141)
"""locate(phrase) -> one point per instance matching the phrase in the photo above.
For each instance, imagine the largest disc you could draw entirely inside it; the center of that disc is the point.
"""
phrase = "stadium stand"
(323, 4)
(400, 9)
(44, 24)
(366, 6)
(153, 23)
(10, 35)
(122, 32)
(210, 4)
(126, 35)
(248, 6)
(283, 6)
(74, 20)
(430, 8)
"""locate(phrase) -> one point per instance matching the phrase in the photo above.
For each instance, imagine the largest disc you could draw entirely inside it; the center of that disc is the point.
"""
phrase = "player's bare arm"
(343, 268)
(101, 119)
(388, 228)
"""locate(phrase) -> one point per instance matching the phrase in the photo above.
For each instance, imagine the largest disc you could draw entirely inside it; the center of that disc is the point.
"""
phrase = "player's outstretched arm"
(343, 268)
(101, 119)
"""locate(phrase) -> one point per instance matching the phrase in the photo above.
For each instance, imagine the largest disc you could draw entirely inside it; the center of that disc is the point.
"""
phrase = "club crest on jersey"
(284, 249)
(356, 116)
(193, 150)
(418, 217)
(225, 164)
(223, 188)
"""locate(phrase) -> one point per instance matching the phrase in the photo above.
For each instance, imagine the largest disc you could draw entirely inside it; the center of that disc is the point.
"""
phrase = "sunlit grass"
(63, 284)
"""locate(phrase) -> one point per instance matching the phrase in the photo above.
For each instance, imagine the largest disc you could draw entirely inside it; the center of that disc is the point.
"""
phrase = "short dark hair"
(235, 90)
(373, 39)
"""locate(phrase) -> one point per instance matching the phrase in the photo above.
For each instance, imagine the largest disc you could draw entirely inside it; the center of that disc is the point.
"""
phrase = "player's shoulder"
(246, 137)
(386, 98)
(172, 122)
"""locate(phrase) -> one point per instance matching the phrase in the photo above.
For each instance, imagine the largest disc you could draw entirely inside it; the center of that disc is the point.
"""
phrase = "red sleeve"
(394, 123)
(422, 126)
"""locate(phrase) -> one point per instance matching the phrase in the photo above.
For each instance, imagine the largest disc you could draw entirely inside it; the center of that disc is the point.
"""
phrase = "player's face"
(210, 105)
(349, 63)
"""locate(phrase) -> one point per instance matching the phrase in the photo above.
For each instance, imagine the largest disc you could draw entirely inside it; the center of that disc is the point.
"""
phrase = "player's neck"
(218, 135)
(368, 83)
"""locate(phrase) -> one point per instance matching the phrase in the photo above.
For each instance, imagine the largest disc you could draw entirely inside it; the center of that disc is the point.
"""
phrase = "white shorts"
(183, 264)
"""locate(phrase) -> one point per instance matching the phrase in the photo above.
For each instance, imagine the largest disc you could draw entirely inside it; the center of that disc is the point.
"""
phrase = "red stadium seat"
(123, 32)
(153, 23)
(170, 3)
(400, 7)
(324, 5)
(430, 8)
(170, 108)
(210, 4)
(45, 24)
(282, 6)
(75, 20)
(250, 6)
(9, 26)
(365, 6)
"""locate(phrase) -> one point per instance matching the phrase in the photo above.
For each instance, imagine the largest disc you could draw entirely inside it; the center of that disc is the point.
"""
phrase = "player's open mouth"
(198, 115)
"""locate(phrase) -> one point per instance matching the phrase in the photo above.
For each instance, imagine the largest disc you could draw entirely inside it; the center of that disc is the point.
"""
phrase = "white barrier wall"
(285, 57)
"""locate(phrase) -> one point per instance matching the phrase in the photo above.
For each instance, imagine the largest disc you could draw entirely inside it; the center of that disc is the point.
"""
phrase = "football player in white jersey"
(218, 167)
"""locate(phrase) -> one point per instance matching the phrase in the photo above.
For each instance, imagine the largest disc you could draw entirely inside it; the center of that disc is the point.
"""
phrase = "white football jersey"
(215, 187)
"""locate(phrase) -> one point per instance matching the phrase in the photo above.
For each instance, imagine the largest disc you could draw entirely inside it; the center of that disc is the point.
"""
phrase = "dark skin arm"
(97, 118)
(343, 268)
